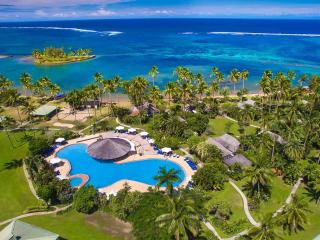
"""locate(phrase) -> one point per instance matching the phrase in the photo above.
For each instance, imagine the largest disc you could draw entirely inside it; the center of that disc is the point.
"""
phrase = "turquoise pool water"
(75, 182)
(104, 173)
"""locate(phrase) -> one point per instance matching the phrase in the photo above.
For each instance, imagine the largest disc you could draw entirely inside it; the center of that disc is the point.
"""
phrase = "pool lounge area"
(109, 176)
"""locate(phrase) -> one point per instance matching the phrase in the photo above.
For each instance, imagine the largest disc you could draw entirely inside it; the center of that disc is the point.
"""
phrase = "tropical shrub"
(47, 193)
(293, 171)
(86, 200)
(38, 145)
(124, 203)
(220, 210)
(211, 177)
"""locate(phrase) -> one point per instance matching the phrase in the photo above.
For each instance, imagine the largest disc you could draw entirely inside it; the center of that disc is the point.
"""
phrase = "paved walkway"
(28, 178)
(35, 214)
(245, 204)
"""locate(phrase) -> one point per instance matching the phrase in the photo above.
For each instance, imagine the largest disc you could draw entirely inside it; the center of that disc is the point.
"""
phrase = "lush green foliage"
(86, 200)
(211, 176)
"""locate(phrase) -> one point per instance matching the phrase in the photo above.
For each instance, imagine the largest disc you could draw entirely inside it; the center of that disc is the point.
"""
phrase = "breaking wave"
(109, 33)
(265, 34)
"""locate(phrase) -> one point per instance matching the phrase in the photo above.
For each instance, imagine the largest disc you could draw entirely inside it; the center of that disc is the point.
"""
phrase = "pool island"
(58, 56)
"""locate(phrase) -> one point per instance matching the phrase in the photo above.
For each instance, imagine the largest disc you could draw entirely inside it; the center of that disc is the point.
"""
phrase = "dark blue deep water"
(131, 47)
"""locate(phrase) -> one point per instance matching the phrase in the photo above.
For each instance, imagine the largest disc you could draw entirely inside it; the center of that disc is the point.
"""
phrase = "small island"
(55, 56)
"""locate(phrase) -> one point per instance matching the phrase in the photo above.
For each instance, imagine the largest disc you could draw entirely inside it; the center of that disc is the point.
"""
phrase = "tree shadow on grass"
(15, 163)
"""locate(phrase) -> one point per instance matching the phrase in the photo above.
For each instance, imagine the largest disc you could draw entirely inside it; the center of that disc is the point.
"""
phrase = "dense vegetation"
(282, 149)
(52, 55)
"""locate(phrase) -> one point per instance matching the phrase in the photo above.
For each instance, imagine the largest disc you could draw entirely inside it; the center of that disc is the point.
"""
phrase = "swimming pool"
(105, 173)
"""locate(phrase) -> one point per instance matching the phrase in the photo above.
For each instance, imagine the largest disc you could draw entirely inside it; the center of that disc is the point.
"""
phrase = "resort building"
(228, 145)
(24, 231)
(248, 102)
(44, 111)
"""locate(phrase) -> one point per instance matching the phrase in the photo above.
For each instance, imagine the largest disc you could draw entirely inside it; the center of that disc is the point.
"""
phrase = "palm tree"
(225, 92)
(153, 73)
(137, 90)
(234, 78)
(214, 88)
(26, 82)
(294, 150)
(155, 96)
(266, 231)
(244, 76)
(182, 220)
(169, 90)
(5, 84)
(293, 216)
(259, 182)
(27, 108)
(168, 178)
(313, 191)
(303, 78)
(201, 85)
(13, 99)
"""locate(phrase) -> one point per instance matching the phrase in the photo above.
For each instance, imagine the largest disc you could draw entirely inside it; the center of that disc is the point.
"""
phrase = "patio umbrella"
(132, 130)
(60, 177)
(144, 134)
(60, 140)
(151, 141)
(119, 128)
(166, 150)
(55, 160)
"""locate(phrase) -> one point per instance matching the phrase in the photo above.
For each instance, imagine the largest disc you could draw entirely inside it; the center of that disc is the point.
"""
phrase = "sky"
(31, 10)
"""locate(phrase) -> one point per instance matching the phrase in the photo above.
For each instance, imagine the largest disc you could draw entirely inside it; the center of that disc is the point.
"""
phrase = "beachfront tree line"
(291, 112)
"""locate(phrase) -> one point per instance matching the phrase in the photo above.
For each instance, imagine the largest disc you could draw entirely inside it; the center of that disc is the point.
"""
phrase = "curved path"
(35, 214)
(31, 187)
(245, 204)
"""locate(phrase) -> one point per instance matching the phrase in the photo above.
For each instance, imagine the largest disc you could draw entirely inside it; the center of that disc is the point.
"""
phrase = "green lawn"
(217, 127)
(312, 229)
(230, 196)
(279, 193)
(15, 195)
(76, 226)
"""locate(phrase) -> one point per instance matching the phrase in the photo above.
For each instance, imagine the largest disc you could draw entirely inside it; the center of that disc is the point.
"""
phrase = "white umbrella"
(60, 177)
(55, 160)
(132, 130)
(60, 140)
(166, 150)
(144, 134)
(120, 128)
(151, 141)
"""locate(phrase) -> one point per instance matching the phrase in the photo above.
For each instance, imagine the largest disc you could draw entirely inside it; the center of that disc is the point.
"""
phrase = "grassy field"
(232, 198)
(15, 195)
(76, 226)
(312, 229)
(217, 127)
(279, 193)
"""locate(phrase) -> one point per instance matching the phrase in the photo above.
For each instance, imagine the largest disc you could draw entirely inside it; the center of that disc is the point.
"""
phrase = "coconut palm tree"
(27, 108)
(5, 84)
(75, 100)
(26, 82)
(214, 88)
(155, 96)
(294, 215)
(266, 231)
(294, 150)
(225, 92)
(137, 90)
(169, 90)
(201, 85)
(313, 191)
(259, 182)
(182, 220)
(234, 78)
(153, 73)
(167, 178)
(244, 76)
(13, 99)
(54, 89)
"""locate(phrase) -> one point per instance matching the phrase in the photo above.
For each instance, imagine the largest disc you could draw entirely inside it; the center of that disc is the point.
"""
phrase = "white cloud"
(101, 12)
(57, 3)
(40, 13)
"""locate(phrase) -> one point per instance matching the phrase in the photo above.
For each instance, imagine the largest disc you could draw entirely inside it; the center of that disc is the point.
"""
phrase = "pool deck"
(148, 153)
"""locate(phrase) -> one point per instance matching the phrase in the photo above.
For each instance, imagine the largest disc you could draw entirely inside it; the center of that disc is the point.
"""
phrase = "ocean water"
(130, 47)
(105, 173)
